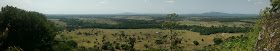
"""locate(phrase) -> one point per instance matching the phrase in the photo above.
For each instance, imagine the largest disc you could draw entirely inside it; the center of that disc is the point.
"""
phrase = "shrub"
(73, 43)
(158, 42)
(146, 45)
(124, 46)
(217, 41)
(195, 42)
(117, 47)
(202, 39)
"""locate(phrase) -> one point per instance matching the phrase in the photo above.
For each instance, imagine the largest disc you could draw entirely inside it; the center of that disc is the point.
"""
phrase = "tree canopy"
(28, 29)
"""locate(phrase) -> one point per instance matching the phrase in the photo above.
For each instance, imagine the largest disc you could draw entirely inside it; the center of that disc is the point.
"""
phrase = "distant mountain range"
(207, 14)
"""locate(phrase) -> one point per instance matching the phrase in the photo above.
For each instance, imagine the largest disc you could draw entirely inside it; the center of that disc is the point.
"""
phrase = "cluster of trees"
(74, 23)
(28, 30)
(139, 24)
(213, 29)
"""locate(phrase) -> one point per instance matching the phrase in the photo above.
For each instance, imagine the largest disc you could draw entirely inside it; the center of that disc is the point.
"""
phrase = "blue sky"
(138, 6)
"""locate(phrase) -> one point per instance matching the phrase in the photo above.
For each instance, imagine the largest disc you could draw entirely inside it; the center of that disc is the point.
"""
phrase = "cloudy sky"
(138, 6)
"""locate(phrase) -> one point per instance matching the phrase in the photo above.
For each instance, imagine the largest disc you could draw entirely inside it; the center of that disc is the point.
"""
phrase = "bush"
(158, 42)
(117, 47)
(82, 48)
(14, 48)
(217, 41)
(195, 42)
(124, 46)
(79, 33)
(202, 39)
(62, 46)
(146, 45)
(73, 43)
(93, 49)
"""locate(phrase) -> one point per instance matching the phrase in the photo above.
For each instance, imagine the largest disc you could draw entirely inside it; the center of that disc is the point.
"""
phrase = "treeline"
(225, 19)
(213, 29)
(142, 24)
(122, 24)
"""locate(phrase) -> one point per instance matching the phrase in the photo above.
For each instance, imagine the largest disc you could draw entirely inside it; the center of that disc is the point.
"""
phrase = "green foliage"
(93, 49)
(125, 47)
(170, 23)
(62, 46)
(14, 48)
(159, 42)
(195, 42)
(82, 48)
(176, 41)
(213, 29)
(27, 29)
(217, 40)
(122, 24)
(73, 43)
(269, 35)
(202, 39)
(132, 42)
(146, 45)
(108, 46)
(117, 47)
(238, 43)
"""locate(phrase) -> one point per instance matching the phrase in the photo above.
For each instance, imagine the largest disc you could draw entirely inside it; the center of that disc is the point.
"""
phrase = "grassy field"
(149, 36)
(214, 23)
(58, 23)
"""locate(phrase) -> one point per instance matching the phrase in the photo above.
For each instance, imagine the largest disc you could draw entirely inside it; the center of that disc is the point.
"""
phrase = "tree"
(14, 48)
(82, 48)
(158, 42)
(117, 47)
(132, 42)
(169, 24)
(27, 29)
(124, 47)
(73, 43)
(146, 45)
(195, 42)
(269, 35)
(108, 46)
(62, 46)
(217, 41)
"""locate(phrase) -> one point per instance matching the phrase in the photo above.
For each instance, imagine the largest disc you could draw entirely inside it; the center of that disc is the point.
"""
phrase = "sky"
(138, 6)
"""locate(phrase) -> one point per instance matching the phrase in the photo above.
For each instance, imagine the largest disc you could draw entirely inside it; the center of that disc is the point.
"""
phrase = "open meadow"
(143, 36)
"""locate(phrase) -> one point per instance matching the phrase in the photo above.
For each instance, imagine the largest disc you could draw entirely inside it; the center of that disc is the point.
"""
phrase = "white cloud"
(102, 2)
(258, 3)
(249, 0)
(169, 1)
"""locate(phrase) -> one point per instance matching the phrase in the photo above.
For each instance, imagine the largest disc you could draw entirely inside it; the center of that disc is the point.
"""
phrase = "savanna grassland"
(97, 37)
(143, 36)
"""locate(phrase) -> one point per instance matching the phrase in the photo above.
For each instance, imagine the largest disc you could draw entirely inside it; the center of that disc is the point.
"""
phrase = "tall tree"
(132, 42)
(28, 29)
(169, 24)
(268, 39)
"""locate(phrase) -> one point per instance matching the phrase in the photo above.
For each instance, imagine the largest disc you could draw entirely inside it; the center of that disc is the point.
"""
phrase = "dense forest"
(142, 24)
